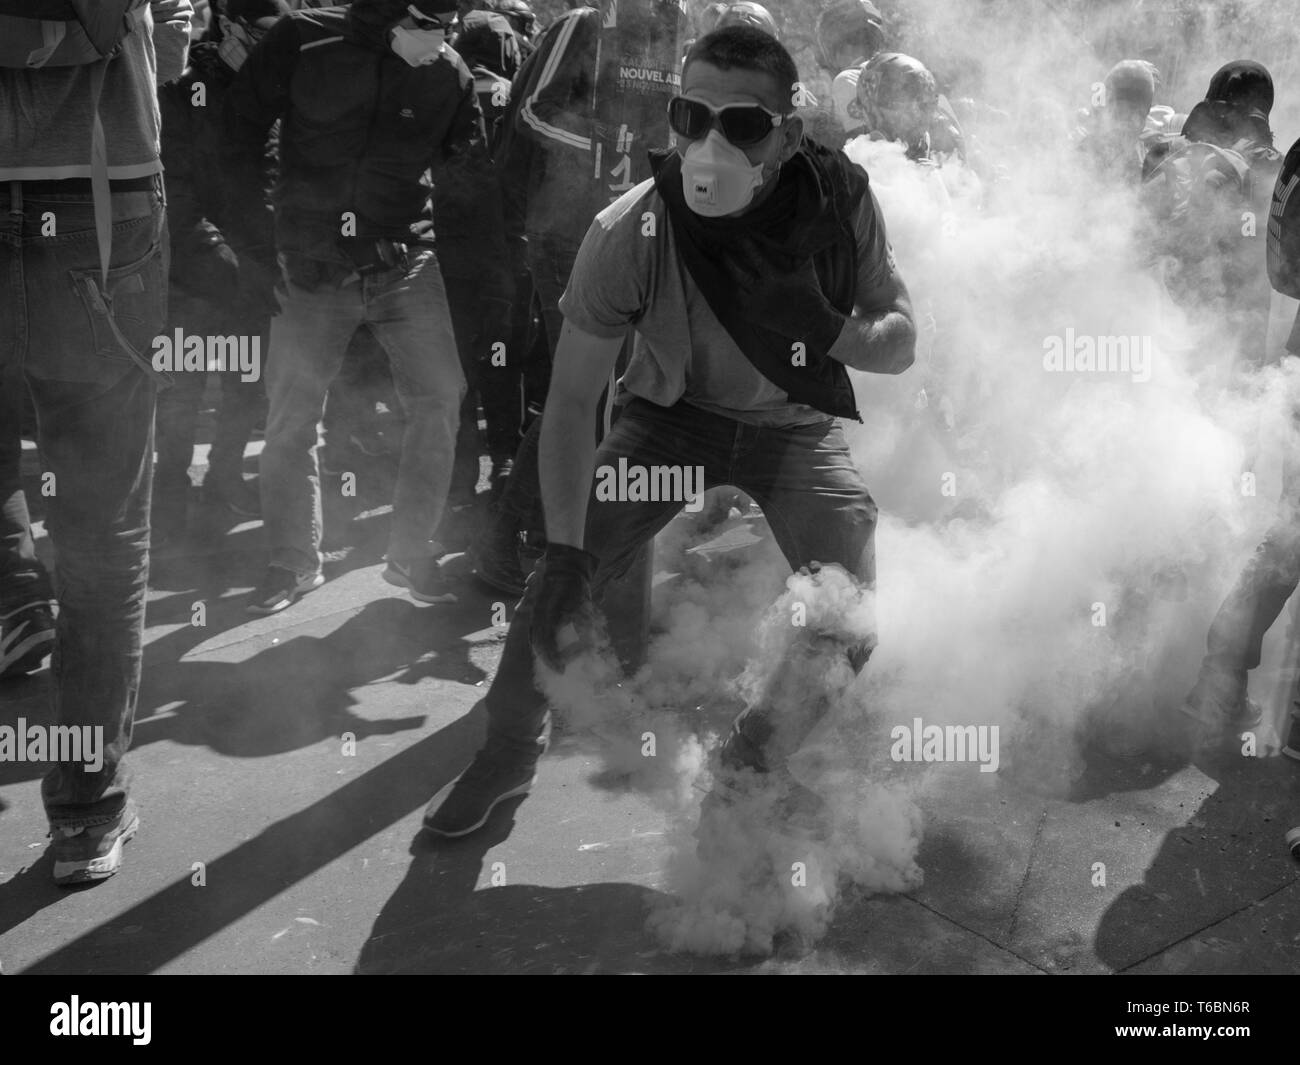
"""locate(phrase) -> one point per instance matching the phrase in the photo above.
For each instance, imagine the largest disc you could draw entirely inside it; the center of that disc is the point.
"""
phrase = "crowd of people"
(437, 231)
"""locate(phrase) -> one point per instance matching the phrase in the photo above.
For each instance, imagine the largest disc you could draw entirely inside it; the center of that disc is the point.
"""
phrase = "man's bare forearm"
(883, 342)
(566, 460)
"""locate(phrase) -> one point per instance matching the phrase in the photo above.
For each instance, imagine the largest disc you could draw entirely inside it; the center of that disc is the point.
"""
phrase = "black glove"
(564, 616)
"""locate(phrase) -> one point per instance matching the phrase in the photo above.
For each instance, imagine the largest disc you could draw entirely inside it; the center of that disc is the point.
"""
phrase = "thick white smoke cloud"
(1052, 544)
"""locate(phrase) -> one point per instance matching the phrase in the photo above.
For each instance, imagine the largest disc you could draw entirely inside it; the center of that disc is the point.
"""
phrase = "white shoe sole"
(522, 789)
(99, 868)
(399, 580)
(299, 590)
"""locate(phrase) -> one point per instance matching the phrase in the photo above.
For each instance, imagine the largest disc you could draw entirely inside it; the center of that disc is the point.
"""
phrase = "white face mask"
(717, 177)
(418, 47)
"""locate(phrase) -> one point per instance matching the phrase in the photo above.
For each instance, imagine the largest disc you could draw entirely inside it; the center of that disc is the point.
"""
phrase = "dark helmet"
(855, 23)
(1236, 107)
(749, 14)
(891, 79)
(488, 40)
(518, 13)
(1244, 85)
(898, 95)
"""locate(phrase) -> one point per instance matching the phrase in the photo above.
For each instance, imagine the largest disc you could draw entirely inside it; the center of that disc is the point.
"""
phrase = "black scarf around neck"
(808, 215)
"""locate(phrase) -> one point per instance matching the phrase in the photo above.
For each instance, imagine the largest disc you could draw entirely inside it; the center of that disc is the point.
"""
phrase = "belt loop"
(16, 199)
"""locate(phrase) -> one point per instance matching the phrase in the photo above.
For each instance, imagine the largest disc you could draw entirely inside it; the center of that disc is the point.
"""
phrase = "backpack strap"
(99, 174)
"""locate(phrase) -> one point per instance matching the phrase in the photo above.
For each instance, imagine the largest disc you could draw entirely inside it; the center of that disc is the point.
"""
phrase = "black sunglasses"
(744, 125)
(424, 22)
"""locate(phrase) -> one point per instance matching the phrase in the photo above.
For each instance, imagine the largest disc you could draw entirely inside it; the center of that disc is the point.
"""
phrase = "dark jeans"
(178, 406)
(494, 383)
(811, 493)
(23, 579)
(94, 411)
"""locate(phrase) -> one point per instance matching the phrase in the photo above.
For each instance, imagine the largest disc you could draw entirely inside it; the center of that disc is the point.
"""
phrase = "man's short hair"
(747, 48)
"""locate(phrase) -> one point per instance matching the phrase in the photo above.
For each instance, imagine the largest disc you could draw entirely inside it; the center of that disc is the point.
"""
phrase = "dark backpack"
(1193, 180)
(1283, 242)
(74, 33)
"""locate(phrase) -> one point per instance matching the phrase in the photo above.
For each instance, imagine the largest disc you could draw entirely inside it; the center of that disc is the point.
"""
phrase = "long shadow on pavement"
(178, 918)
(436, 922)
(1228, 858)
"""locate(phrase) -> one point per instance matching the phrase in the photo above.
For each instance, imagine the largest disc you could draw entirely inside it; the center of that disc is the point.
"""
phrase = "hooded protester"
(1218, 704)
(1199, 189)
(370, 101)
(1235, 114)
(491, 49)
(762, 243)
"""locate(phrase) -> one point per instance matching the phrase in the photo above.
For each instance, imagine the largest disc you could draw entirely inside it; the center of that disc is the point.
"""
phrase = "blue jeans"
(94, 410)
(407, 310)
(812, 495)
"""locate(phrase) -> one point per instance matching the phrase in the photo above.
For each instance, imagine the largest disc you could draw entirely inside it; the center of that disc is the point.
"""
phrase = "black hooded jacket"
(360, 130)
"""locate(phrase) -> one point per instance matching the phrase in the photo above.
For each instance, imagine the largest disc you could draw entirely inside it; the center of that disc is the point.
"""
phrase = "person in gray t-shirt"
(754, 269)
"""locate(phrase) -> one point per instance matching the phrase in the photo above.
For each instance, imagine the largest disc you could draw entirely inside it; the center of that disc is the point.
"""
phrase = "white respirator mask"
(418, 47)
(717, 177)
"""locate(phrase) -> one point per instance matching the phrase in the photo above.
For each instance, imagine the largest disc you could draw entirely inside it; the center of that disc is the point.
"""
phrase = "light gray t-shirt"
(628, 274)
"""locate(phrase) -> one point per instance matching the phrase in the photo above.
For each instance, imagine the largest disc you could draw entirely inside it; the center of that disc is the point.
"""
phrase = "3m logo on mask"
(703, 191)
(717, 177)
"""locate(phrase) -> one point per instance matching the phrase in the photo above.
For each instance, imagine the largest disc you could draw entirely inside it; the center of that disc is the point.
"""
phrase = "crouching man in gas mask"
(754, 267)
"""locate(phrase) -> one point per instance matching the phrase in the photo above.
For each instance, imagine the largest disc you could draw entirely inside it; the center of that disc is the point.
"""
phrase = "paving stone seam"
(979, 935)
(1213, 924)
(1029, 868)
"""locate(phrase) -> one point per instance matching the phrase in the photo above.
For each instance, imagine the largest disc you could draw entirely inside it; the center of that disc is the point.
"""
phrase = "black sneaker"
(496, 563)
(84, 854)
(491, 778)
(233, 494)
(423, 578)
(281, 588)
(1292, 746)
(26, 637)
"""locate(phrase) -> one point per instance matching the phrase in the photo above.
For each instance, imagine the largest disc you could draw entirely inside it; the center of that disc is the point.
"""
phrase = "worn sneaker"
(423, 578)
(491, 778)
(94, 853)
(281, 588)
(26, 637)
